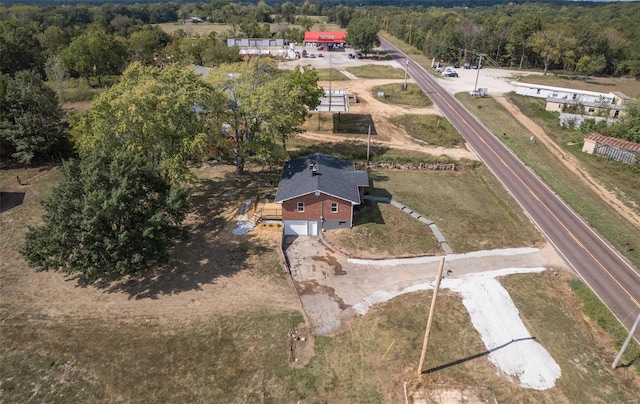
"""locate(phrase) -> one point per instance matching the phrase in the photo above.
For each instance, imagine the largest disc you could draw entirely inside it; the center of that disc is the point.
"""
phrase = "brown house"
(319, 191)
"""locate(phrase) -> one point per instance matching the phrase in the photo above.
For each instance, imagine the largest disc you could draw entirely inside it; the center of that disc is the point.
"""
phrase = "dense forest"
(43, 47)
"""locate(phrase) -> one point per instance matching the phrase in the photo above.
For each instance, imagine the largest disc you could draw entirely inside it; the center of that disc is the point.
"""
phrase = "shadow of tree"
(209, 250)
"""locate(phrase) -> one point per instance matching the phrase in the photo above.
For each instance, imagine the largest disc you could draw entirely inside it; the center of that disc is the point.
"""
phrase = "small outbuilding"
(611, 147)
(319, 191)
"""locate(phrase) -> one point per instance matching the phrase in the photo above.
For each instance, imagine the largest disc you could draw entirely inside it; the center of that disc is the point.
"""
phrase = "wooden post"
(368, 144)
(431, 313)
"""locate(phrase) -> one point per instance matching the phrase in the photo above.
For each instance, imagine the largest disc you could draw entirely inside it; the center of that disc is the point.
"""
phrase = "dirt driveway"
(330, 284)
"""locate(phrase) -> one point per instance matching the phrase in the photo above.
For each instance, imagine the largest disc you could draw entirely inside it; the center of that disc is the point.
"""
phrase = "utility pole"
(330, 82)
(431, 313)
(406, 67)
(368, 144)
(626, 343)
(475, 88)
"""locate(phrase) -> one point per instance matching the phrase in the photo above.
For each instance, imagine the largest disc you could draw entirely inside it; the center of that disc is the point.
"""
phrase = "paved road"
(608, 274)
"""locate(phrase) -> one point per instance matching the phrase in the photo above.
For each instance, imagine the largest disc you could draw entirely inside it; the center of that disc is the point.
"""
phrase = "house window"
(334, 207)
(300, 206)
(538, 92)
(592, 110)
(555, 95)
(615, 114)
(575, 96)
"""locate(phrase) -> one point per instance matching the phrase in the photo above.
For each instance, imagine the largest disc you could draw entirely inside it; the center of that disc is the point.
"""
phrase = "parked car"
(477, 66)
(451, 74)
(320, 55)
(352, 56)
(440, 69)
(359, 55)
(467, 65)
(456, 65)
(312, 55)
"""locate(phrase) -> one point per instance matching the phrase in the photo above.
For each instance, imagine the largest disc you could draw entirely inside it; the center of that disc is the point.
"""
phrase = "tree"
(628, 127)
(288, 11)
(146, 43)
(30, 116)
(112, 214)
(589, 65)
(168, 115)
(552, 45)
(362, 34)
(57, 73)
(95, 54)
(265, 106)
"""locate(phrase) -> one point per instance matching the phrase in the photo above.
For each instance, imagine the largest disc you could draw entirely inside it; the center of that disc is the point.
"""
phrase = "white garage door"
(295, 228)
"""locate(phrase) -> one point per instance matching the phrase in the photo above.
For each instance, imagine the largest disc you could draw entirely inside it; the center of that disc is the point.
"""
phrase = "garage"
(296, 228)
(300, 228)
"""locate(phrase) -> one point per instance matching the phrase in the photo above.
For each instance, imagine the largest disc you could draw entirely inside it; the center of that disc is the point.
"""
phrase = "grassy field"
(84, 356)
(376, 72)
(569, 186)
(430, 129)
(413, 96)
(331, 75)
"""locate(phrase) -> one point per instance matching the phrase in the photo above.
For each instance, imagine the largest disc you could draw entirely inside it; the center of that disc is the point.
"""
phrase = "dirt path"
(572, 164)
(389, 135)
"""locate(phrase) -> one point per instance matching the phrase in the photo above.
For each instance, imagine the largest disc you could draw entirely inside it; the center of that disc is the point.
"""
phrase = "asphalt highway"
(606, 272)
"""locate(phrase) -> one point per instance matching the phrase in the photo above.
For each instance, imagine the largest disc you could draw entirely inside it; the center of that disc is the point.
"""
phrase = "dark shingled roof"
(332, 176)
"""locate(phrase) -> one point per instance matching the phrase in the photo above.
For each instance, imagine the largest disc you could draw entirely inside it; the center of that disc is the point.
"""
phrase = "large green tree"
(169, 115)
(552, 45)
(362, 34)
(265, 106)
(113, 214)
(95, 54)
(30, 116)
(628, 127)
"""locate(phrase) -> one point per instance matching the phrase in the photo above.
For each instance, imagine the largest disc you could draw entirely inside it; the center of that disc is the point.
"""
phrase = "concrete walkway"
(330, 285)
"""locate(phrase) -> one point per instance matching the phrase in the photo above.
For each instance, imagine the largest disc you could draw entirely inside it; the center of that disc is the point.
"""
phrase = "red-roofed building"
(326, 39)
(611, 147)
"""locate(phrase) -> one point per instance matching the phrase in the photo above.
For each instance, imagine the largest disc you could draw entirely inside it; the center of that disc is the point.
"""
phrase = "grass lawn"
(242, 356)
(330, 75)
(413, 96)
(569, 186)
(430, 129)
(376, 72)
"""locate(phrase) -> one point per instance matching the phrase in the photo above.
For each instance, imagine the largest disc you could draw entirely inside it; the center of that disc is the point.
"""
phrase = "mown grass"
(566, 184)
(430, 129)
(413, 96)
(546, 304)
(330, 75)
(243, 357)
(593, 307)
(376, 72)
(470, 208)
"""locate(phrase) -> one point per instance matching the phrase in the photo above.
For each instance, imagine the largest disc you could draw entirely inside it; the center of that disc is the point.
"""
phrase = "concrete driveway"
(330, 284)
